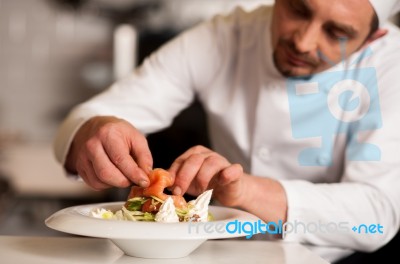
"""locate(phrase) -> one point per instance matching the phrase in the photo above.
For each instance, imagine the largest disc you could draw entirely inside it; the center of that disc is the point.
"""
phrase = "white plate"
(150, 239)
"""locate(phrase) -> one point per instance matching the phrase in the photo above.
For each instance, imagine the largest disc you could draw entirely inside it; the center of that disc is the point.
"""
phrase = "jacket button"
(264, 153)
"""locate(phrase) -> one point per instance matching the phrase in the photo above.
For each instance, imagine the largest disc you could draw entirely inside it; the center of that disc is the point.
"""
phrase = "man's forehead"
(384, 9)
(348, 14)
(355, 6)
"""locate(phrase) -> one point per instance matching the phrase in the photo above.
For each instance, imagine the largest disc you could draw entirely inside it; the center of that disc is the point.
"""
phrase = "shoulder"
(385, 59)
(239, 29)
(241, 18)
(227, 33)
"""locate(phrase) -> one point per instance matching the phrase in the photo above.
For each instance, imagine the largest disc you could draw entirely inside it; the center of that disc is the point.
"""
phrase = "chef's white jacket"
(274, 127)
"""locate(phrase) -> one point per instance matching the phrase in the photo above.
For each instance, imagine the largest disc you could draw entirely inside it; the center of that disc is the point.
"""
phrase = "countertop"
(54, 250)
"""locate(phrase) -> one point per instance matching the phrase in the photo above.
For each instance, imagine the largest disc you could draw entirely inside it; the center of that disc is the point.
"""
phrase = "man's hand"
(200, 168)
(109, 152)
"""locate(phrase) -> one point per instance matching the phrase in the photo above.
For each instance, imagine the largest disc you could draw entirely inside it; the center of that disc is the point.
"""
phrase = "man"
(302, 108)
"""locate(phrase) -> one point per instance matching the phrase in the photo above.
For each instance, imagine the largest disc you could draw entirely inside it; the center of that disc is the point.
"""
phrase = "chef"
(302, 103)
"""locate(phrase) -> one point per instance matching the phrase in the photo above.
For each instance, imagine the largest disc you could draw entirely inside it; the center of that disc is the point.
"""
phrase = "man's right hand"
(109, 152)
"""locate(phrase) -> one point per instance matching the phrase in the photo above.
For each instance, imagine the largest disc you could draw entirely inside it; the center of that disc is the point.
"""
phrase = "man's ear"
(376, 35)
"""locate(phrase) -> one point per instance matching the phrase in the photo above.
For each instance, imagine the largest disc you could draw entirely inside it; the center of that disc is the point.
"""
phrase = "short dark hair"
(374, 25)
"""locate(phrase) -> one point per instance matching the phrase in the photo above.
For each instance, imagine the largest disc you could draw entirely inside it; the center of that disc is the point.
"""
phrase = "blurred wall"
(43, 51)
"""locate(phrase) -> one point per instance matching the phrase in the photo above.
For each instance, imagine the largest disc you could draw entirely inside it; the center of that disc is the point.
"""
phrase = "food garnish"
(152, 204)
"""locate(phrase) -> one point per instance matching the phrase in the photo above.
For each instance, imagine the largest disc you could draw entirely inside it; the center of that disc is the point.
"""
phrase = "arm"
(366, 194)
(318, 214)
(150, 98)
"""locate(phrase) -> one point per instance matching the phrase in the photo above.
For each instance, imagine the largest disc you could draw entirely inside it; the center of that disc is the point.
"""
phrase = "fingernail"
(143, 183)
(177, 190)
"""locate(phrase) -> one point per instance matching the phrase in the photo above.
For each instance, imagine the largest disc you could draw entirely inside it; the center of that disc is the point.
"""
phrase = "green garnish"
(148, 217)
(135, 204)
(157, 199)
(210, 217)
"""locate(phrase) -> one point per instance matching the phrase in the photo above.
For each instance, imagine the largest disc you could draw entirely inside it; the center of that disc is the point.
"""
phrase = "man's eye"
(337, 34)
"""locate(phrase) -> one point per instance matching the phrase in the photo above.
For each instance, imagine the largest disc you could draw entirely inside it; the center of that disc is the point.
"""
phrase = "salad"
(153, 205)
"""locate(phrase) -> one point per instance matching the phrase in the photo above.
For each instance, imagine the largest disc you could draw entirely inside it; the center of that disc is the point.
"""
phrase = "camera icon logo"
(332, 103)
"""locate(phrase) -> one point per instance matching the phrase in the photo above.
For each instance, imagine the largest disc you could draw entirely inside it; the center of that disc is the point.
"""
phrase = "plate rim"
(71, 220)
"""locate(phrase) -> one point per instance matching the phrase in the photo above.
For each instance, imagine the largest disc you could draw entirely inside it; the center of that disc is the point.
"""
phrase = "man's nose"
(306, 38)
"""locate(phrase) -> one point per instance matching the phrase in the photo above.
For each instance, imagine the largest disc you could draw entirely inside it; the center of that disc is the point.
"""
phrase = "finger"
(105, 170)
(141, 152)
(228, 189)
(118, 153)
(86, 172)
(187, 171)
(177, 164)
(210, 169)
(230, 174)
(173, 170)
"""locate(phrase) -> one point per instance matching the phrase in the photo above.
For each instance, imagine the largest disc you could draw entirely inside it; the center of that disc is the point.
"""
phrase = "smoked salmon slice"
(159, 180)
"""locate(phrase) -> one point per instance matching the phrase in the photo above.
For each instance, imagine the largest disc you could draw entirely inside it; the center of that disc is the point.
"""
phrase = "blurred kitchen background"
(55, 54)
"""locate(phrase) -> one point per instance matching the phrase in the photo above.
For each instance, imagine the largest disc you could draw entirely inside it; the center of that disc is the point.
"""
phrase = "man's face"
(310, 36)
